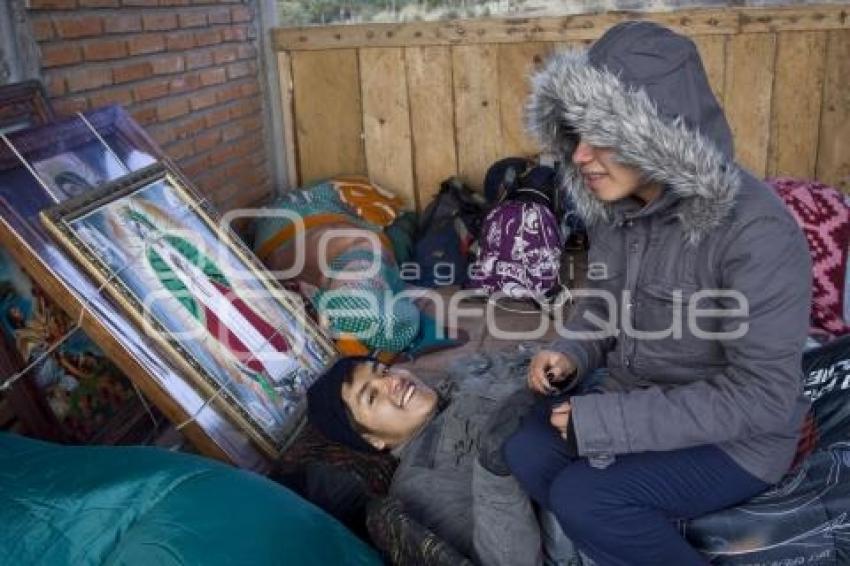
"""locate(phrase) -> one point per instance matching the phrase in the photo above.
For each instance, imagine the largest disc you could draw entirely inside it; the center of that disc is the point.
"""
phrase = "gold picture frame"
(153, 246)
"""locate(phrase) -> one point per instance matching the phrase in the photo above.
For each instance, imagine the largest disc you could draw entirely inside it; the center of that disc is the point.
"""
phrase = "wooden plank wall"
(411, 104)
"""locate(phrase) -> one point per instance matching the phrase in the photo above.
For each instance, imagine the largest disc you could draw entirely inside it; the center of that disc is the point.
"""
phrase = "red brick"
(162, 135)
(235, 34)
(207, 37)
(122, 24)
(216, 117)
(246, 52)
(42, 29)
(55, 86)
(180, 41)
(105, 98)
(193, 19)
(72, 28)
(180, 150)
(241, 14)
(89, 78)
(168, 64)
(194, 167)
(105, 50)
(201, 100)
(188, 128)
(57, 55)
(151, 43)
(172, 109)
(68, 106)
(219, 16)
(144, 116)
(184, 83)
(160, 21)
(244, 107)
(132, 72)
(248, 89)
(232, 132)
(99, 3)
(228, 93)
(197, 59)
(226, 54)
(213, 76)
(52, 4)
(149, 91)
(207, 140)
(241, 69)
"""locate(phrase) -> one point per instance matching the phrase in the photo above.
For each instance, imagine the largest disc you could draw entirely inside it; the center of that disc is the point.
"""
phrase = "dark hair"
(327, 411)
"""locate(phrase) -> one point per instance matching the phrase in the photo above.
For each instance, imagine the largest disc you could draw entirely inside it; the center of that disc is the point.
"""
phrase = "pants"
(625, 514)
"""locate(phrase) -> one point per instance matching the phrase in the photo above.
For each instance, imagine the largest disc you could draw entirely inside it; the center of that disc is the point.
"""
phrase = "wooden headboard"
(411, 104)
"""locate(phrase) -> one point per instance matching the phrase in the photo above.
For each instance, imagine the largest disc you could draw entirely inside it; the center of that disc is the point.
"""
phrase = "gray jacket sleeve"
(758, 391)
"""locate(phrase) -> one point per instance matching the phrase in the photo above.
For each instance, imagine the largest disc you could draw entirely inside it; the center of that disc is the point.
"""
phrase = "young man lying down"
(450, 477)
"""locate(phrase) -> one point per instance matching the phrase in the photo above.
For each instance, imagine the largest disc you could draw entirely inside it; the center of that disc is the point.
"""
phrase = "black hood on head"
(641, 89)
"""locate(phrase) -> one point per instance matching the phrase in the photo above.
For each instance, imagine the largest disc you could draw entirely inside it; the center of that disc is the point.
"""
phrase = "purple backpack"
(519, 251)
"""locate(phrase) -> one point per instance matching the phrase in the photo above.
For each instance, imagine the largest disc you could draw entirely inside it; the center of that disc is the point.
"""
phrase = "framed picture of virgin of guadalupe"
(155, 249)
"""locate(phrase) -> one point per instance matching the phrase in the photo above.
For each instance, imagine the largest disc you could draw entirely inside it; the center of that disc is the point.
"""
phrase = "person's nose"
(583, 153)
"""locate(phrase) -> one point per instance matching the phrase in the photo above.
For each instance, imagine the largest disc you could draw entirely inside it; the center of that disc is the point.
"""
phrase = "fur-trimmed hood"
(642, 90)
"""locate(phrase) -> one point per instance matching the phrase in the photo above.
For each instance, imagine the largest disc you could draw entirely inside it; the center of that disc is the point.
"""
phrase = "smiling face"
(387, 404)
(609, 180)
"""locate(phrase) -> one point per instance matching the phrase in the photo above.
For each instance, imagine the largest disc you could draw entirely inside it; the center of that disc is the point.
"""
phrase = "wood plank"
(833, 164)
(429, 81)
(712, 51)
(328, 114)
(797, 90)
(747, 97)
(287, 105)
(477, 114)
(517, 63)
(386, 121)
(694, 22)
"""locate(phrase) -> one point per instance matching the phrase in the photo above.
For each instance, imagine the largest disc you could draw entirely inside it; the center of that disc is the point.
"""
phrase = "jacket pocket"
(661, 319)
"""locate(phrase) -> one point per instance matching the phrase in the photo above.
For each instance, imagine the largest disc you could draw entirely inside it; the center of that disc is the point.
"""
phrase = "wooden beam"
(287, 105)
(795, 121)
(557, 29)
(748, 95)
(386, 121)
(429, 84)
(833, 164)
(328, 114)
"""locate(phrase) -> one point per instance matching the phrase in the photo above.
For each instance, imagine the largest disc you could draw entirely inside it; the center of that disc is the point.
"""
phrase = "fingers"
(546, 368)
(560, 421)
(537, 380)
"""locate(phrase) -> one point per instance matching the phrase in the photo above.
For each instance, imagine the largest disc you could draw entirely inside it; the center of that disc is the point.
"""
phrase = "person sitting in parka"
(450, 477)
(703, 280)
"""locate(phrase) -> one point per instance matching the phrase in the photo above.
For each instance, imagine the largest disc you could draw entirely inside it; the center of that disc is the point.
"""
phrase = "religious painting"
(152, 246)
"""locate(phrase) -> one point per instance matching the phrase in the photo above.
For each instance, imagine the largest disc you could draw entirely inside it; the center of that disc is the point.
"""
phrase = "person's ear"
(376, 442)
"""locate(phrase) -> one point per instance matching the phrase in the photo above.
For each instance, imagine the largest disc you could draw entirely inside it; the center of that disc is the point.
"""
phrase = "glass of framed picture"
(152, 246)
(24, 195)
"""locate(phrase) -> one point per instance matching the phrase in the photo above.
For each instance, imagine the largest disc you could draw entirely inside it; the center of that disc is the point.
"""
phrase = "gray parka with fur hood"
(642, 90)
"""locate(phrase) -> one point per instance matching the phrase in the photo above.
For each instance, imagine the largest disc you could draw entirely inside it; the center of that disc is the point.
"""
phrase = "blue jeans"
(625, 514)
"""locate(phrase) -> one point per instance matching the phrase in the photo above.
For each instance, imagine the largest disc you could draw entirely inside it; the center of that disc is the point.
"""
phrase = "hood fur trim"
(570, 95)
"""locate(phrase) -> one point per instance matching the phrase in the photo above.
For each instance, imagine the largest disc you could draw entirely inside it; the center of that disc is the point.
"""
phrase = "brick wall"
(187, 70)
